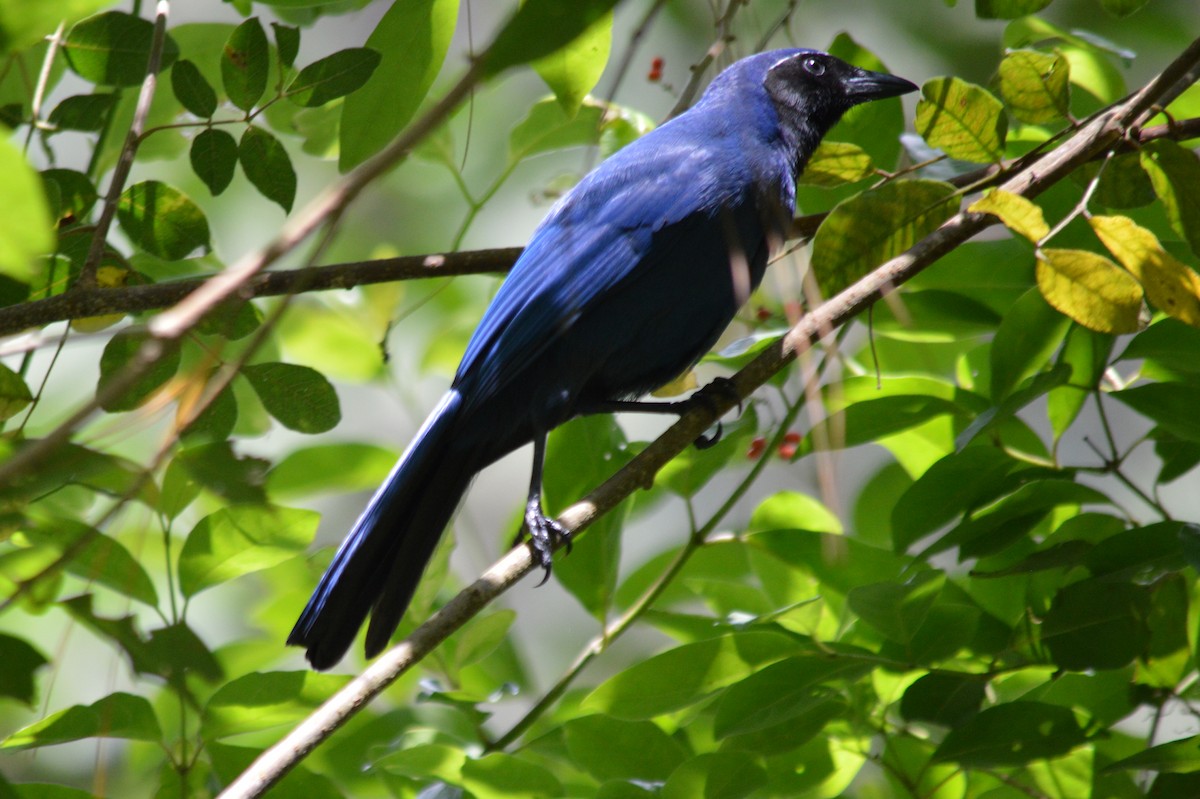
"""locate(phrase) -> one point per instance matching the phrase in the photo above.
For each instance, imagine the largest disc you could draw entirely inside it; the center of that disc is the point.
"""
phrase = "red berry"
(656, 70)
(787, 451)
(762, 314)
(792, 437)
(756, 448)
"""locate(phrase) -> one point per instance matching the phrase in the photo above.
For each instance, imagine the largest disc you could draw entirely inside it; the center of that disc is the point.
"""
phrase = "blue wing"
(597, 239)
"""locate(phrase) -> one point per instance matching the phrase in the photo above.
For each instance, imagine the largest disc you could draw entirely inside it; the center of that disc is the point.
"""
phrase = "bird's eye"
(814, 66)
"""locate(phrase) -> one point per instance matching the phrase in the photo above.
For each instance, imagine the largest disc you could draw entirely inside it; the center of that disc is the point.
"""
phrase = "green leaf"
(963, 120)
(242, 539)
(1091, 290)
(897, 609)
(72, 464)
(1123, 8)
(18, 662)
(1141, 552)
(781, 694)
(869, 228)
(84, 112)
(611, 749)
(25, 219)
(244, 64)
(162, 220)
(268, 167)
(1012, 734)
(117, 715)
(1172, 405)
(24, 25)
(412, 38)
(791, 510)
(504, 776)
(287, 43)
(943, 699)
(1008, 9)
(214, 156)
(1167, 343)
(14, 394)
(113, 48)
(716, 775)
(866, 421)
(333, 76)
(262, 700)
(1086, 354)
(95, 557)
(547, 127)
(299, 397)
(118, 353)
(214, 423)
(214, 466)
(176, 654)
(192, 90)
(1097, 624)
(1181, 756)
(1035, 86)
(425, 761)
(1018, 214)
(1027, 338)
(76, 194)
(1175, 173)
(1122, 183)
(480, 636)
(837, 162)
(330, 467)
(573, 70)
(541, 27)
(1010, 519)
(687, 674)
(1170, 285)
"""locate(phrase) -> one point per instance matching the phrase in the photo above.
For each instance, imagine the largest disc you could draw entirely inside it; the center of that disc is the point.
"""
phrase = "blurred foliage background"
(949, 556)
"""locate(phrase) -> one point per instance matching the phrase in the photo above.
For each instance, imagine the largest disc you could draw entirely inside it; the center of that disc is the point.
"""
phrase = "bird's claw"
(719, 385)
(544, 535)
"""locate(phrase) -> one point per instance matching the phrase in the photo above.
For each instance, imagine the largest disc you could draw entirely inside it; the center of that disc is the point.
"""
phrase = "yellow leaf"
(1171, 286)
(837, 162)
(1090, 289)
(1018, 214)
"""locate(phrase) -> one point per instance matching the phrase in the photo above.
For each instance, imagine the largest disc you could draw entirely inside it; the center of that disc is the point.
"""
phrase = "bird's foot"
(544, 535)
(706, 396)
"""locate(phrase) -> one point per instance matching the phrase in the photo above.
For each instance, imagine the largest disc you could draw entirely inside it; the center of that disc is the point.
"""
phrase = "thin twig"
(87, 274)
(724, 37)
(39, 90)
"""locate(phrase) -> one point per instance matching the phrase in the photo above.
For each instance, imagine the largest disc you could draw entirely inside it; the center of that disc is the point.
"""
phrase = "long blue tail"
(378, 566)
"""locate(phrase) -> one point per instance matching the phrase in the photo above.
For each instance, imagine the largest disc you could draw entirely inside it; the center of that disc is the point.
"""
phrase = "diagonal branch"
(1105, 129)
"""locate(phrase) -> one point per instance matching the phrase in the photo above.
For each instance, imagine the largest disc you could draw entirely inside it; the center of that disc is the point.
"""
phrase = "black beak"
(866, 85)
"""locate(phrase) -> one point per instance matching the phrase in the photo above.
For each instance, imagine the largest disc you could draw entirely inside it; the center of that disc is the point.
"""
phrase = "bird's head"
(820, 88)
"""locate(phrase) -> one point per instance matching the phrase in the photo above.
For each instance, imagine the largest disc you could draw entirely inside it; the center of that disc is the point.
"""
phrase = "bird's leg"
(705, 397)
(544, 533)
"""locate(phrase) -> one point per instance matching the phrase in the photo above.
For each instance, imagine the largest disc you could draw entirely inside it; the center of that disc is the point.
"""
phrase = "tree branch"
(1102, 132)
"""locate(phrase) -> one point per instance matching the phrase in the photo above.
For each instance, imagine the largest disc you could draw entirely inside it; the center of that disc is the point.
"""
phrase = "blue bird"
(629, 280)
